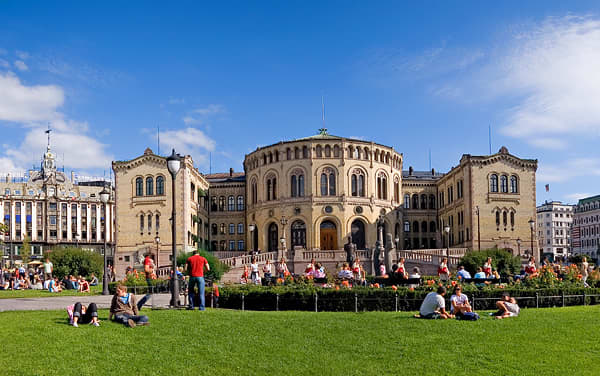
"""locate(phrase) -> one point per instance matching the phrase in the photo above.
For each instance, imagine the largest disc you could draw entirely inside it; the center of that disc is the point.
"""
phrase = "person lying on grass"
(434, 306)
(125, 309)
(83, 315)
(507, 307)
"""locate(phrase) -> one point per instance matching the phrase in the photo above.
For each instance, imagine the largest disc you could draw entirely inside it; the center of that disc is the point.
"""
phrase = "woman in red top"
(401, 271)
(530, 269)
(487, 267)
(443, 271)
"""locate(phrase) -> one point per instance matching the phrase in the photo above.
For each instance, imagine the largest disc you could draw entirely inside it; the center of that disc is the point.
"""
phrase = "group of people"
(43, 279)
(434, 306)
(253, 273)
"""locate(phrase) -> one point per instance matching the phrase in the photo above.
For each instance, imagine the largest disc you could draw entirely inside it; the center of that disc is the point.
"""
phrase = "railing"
(261, 258)
(228, 254)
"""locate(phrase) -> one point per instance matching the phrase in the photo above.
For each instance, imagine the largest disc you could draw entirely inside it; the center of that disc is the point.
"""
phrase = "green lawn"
(12, 294)
(553, 341)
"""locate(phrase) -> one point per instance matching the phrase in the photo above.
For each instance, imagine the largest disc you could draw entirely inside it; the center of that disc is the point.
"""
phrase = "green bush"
(503, 261)
(75, 261)
(217, 268)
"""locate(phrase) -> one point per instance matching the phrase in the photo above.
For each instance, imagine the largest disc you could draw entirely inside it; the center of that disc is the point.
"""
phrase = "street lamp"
(532, 226)
(104, 196)
(447, 231)
(157, 241)
(519, 246)
(252, 228)
(283, 222)
(173, 165)
(478, 230)
(397, 240)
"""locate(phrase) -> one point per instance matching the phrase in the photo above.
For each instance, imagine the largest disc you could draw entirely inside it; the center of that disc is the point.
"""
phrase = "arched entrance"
(273, 238)
(299, 234)
(358, 233)
(328, 235)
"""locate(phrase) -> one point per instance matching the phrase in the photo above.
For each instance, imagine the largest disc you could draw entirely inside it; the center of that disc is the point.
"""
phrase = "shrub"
(503, 261)
(217, 268)
(76, 261)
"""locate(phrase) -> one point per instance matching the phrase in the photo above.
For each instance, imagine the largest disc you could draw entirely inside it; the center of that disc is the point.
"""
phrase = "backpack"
(469, 316)
(70, 313)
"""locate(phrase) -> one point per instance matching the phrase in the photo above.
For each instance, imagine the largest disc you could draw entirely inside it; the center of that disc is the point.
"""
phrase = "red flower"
(394, 287)
(376, 285)
(453, 283)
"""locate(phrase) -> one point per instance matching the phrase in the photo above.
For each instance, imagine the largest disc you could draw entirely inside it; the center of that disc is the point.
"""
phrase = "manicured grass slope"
(540, 342)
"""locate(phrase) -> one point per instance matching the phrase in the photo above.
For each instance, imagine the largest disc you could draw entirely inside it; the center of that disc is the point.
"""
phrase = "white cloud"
(4, 63)
(568, 170)
(211, 109)
(190, 141)
(21, 103)
(548, 143)
(578, 196)
(20, 65)
(188, 120)
(22, 55)
(32, 108)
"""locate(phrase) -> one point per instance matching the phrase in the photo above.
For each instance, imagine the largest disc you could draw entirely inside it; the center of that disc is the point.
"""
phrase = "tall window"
(149, 223)
(240, 228)
(504, 218)
(319, 151)
(382, 186)
(494, 183)
(271, 188)
(297, 183)
(514, 185)
(415, 201)
(328, 182)
(288, 154)
(512, 219)
(254, 193)
(160, 186)
(406, 226)
(423, 201)
(498, 219)
(222, 229)
(240, 203)
(231, 229)
(305, 152)
(231, 203)
(504, 184)
(327, 151)
(157, 219)
(406, 201)
(149, 186)
(431, 201)
(357, 182)
(222, 203)
(139, 187)
(141, 223)
(396, 189)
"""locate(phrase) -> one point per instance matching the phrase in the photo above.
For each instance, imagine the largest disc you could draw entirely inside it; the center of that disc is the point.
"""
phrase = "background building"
(50, 210)
(554, 221)
(143, 209)
(586, 228)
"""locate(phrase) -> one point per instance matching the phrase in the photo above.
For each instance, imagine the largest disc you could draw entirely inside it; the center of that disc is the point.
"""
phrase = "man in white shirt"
(434, 306)
(48, 269)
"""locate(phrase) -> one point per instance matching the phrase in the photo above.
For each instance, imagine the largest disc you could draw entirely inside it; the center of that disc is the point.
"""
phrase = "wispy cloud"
(20, 65)
(568, 170)
(573, 197)
(200, 114)
(22, 55)
(4, 63)
(190, 141)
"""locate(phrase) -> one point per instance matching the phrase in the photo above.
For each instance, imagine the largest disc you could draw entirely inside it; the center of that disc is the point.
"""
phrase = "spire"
(48, 133)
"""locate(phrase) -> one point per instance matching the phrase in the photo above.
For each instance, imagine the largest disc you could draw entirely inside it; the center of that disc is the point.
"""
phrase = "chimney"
(410, 170)
(433, 171)
(231, 172)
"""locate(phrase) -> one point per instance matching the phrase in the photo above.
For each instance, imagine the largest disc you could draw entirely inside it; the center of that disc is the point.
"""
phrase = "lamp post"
(104, 196)
(447, 231)
(252, 228)
(519, 246)
(157, 241)
(532, 226)
(173, 165)
(397, 240)
(478, 229)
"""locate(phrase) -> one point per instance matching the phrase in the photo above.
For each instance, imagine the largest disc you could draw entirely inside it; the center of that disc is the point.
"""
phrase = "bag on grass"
(469, 316)
(70, 313)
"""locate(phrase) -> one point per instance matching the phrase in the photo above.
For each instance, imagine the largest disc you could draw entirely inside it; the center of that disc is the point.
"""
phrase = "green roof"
(589, 199)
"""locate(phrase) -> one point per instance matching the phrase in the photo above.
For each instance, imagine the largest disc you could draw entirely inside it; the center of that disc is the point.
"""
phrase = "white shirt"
(254, 268)
(458, 300)
(433, 302)
(267, 268)
(48, 267)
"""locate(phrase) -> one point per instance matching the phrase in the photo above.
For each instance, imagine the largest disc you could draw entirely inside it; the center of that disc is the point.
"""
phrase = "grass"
(552, 341)
(13, 294)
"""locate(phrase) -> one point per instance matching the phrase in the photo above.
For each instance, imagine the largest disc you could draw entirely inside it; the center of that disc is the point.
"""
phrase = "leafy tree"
(26, 251)
(503, 261)
(76, 261)
(3, 230)
(217, 268)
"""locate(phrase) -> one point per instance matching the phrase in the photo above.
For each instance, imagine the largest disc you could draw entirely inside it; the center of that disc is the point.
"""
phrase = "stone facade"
(144, 203)
(316, 191)
(52, 210)
(586, 228)
(554, 221)
(227, 211)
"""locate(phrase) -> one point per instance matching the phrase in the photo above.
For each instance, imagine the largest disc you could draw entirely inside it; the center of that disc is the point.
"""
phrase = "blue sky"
(222, 79)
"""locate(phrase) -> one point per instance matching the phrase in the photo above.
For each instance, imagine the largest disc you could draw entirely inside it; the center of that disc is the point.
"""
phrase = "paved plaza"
(61, 302)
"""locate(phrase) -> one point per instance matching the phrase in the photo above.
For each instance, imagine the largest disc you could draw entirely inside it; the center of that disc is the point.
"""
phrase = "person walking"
(48, 269)
(195, 265)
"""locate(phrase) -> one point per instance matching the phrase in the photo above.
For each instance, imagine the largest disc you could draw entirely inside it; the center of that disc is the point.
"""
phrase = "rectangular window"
(240, 228)
(53, 220)
(231, 228)
(232, 245)
(240, 245)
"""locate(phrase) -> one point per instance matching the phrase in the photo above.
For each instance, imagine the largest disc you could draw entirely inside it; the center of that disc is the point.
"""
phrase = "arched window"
(331, 183)
(157, 220)
(336, 151)
(288, 154)
(424, 226)
(297, 183)
(431, 201)
(240, 203)
(139, 187)
(328, 182)
(423, 201)
(504, 218)
(230, 203)
(494, 183)
(222, 203)
(305, 152)
(504, 184)
(327, 151)
(514, 185)
(407, 201)
(149, 223)
(415, 226)
(222, 229)
(382, 186)
(512, 219)
(415, 201)
(396, 189)
(497, 218)
(160, 186)
(298, 234)
(432, 226)
(214, 229)
(142, 223)
(356, 153)
(296, 153)
(406, 226)
(254, 192)
(357, 183)
(271, 188)
(319, 151)
(294, 186)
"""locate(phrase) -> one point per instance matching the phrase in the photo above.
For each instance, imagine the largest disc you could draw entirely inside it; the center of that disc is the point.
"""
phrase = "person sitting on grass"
(462, 274)
(530, 269)
(54, 286)
(83, 315)
(434, 306)
(416, 273)
(345, 272)
(125, 309)
(460, 302)
(94, 281)
(507, 307)
(37, 283)
(401, 270)
(84, 286)
(4, 285)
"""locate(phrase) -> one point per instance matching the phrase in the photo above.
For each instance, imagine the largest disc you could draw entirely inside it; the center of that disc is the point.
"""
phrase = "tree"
(503, 261)
(75, 261)
(26, 251)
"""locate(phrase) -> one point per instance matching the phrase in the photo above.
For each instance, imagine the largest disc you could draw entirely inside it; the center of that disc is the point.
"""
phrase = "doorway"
(328, 236)
(273, 237)
(358, 233)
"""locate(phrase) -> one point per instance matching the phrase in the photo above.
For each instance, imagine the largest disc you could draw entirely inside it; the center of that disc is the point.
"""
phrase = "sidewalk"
(61, 302)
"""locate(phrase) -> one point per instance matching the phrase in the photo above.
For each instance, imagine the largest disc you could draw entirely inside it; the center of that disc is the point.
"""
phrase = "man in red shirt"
(195, 266)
